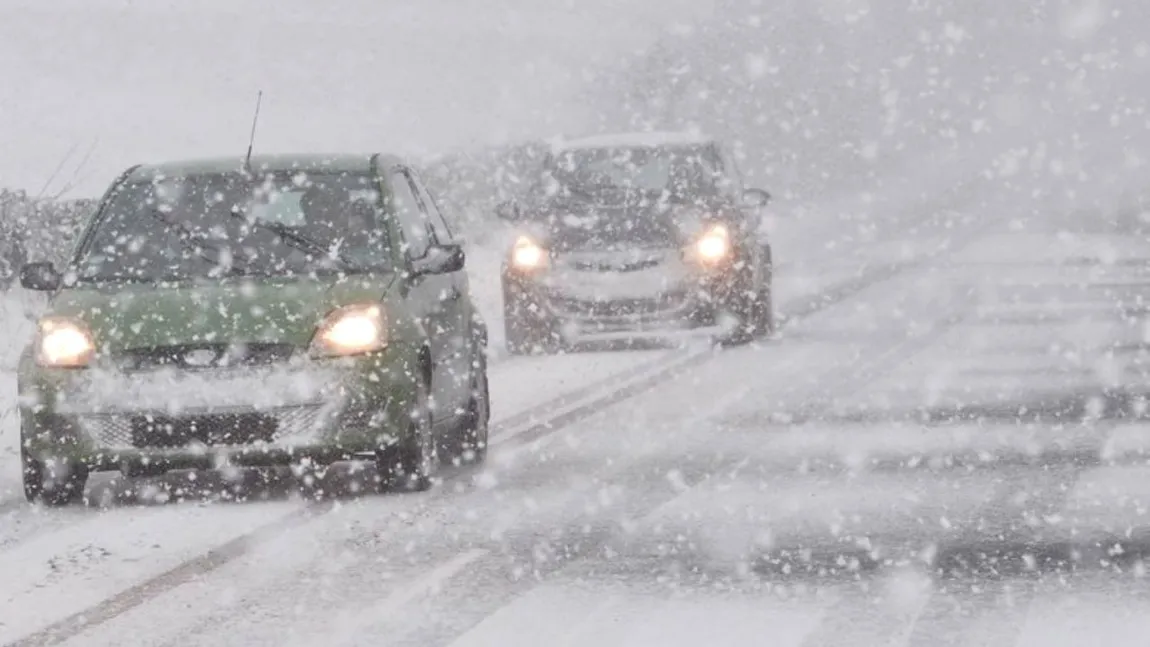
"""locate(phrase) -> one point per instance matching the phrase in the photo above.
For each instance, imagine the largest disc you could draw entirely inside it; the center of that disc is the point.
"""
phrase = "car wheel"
(55, 485)
(743, 303)
(471, 442)
(764, 313)
(32, 475)
(410, 464)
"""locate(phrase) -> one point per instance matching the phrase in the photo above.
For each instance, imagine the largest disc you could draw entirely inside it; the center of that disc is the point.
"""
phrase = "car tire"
(410, 464)
(470, 445)
(53, 487)
(744, 302)
(764, 313)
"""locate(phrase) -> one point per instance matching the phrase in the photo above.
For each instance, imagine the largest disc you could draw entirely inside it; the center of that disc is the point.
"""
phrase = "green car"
(284, 311)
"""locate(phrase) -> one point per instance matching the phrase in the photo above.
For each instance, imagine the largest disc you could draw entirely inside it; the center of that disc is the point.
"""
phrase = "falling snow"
(666, 323)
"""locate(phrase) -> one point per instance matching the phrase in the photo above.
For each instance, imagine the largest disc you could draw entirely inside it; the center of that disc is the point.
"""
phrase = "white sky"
(165, 80)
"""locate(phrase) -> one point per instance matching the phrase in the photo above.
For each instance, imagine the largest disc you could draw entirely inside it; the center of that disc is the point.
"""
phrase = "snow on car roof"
(332, 162)
(633, 139)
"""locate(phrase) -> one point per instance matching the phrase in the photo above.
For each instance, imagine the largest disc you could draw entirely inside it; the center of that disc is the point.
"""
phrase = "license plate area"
(212, 429)
(619, 307)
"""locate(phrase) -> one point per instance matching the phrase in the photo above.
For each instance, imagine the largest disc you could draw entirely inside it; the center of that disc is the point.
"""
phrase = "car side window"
(438, 222)
(406, 207)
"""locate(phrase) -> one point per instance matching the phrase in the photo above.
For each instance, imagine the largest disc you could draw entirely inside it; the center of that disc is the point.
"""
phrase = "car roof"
(335, 163)
(635, 139)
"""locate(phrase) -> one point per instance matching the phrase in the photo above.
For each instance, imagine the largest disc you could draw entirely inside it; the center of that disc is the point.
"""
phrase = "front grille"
(618, 307)
(124, 431)
(216, 429)
(203, 356)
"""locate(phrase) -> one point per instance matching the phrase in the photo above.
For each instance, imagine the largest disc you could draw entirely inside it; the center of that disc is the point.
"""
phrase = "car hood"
(276, 311)
(570, 225)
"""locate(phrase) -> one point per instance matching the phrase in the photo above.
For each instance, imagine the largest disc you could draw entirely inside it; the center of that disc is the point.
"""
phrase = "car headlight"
(64, 343)
(714, 245)
(528, 254)
(351, 330)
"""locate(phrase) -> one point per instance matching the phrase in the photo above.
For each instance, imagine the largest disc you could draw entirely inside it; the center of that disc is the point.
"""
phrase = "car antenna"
(252, 137)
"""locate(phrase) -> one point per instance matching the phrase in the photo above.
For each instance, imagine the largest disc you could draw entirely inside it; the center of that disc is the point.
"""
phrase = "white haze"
(157, 80)
(876, 124)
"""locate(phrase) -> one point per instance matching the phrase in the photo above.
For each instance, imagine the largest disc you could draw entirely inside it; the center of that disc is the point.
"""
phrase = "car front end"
(129, 382)
(586, 292)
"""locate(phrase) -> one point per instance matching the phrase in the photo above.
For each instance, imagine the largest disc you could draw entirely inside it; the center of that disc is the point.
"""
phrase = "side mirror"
(41, 276)
(509, 210)
(756, 198)
(440, 259)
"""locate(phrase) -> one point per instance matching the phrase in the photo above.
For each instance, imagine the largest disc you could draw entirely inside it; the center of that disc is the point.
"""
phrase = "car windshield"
(679, 171)
(212, 225)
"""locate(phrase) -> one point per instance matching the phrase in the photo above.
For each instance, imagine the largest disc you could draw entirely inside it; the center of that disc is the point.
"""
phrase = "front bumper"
(264, 416)
(586, 304)
(676, 310)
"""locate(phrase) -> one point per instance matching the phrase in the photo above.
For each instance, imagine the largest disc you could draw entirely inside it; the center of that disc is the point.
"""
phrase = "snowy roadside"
(17, 313)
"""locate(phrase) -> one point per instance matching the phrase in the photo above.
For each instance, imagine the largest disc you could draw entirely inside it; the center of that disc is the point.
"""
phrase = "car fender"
(405, 328)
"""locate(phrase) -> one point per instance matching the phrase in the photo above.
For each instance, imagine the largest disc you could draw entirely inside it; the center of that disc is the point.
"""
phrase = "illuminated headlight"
(351, 331)
(528, 255)
(714, 245)
(63, 343)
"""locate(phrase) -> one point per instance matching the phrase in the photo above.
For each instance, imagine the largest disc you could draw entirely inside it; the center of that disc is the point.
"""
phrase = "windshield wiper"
(195, 244)
(297, 240)
(94, 279)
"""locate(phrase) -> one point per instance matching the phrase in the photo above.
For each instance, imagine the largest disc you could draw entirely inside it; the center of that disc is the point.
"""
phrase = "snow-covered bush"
(44, 228)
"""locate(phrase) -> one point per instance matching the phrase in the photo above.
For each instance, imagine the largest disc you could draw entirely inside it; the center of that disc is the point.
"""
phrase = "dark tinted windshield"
(679, 171)
(214, 224)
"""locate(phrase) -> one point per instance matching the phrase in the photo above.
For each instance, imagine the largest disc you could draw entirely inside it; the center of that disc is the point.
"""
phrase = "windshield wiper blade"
(96, 279)
(195, 244)
(296, 239)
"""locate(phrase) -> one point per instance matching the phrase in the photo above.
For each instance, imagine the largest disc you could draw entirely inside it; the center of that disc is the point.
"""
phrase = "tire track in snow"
(991, 562)
(536, 481)
(585, 537)
(141, 593)
(1018, 546)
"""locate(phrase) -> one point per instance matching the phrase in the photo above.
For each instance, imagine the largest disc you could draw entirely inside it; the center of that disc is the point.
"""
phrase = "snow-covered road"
(859, 480)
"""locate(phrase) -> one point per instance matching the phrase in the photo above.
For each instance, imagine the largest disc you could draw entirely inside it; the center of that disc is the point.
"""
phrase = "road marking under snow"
(137, 595)
(427, 584)
(657, 372)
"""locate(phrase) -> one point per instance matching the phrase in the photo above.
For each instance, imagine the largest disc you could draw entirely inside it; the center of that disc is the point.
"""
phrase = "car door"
(433, 298)
(457, 298)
